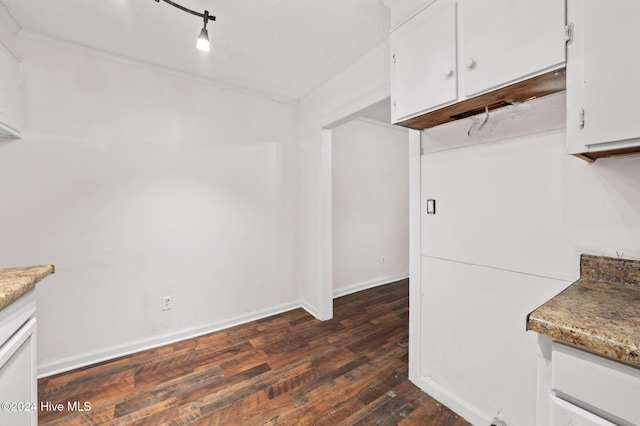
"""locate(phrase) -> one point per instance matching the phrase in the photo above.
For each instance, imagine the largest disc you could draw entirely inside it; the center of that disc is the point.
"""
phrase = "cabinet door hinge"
(581, 119)
(395, 105)
(568, 33)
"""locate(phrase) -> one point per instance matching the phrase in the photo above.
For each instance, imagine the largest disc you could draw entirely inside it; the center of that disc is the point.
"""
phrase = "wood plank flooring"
(288, 369)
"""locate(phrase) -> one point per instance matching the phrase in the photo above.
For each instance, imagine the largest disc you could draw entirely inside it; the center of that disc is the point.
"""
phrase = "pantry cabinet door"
(508, 40)
(423, 55)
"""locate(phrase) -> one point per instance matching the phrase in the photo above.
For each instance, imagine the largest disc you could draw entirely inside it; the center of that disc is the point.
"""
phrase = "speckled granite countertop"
(15, 282)
(599, 312)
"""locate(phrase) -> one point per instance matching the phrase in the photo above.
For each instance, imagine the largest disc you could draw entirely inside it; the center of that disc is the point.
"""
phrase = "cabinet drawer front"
(15, 315)
(609, 388)
(566, 414)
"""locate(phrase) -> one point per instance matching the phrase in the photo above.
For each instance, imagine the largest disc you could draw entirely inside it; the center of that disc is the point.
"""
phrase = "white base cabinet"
(580, 388)
(18, 369)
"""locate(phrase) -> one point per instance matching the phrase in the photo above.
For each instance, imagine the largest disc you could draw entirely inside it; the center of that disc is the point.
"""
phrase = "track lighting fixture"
(203, 39)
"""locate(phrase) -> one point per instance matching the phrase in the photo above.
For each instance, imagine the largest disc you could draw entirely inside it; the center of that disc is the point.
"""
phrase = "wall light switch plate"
(431, 206)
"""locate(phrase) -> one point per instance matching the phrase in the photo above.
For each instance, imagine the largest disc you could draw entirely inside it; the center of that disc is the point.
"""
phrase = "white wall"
(138, 184)
(370, 205)
(512, 219)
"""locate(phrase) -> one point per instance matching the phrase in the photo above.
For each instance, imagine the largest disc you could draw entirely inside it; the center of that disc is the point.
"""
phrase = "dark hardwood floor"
(288, 369)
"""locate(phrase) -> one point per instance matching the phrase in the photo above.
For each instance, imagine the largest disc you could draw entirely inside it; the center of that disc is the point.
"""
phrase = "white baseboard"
(369, 284)
(113, 352)
(307, 307)
(454, 402)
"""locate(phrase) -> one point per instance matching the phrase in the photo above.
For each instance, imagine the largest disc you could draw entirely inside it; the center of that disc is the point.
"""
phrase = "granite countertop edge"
(600, 312)
(597, 341)
(16, 282)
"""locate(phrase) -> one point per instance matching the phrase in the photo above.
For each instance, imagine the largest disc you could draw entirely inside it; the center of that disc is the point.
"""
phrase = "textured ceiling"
(279, 47)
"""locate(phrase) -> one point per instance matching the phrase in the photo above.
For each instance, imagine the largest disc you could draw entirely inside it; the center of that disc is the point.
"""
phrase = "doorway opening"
(361, 107)
(370, 203)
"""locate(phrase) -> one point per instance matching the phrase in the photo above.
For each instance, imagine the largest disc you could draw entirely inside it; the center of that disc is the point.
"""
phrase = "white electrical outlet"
(166, 303)
(382, 259)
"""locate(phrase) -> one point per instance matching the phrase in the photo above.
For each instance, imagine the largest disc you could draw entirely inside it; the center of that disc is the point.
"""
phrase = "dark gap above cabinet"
(536, 87)
(477, 111)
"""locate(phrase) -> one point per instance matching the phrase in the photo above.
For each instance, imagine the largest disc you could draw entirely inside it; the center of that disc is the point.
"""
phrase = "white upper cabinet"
(453, 50)
(10, 95)
(424, 61)
(507, 40)
(603, 93)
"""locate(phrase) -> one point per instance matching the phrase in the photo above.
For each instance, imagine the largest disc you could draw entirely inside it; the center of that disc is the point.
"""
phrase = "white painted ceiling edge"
(7, 21)
(283, 48)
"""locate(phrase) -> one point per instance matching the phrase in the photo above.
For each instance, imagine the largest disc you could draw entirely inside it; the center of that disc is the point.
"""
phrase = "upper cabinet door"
(10, 95)
(423, 61)
(603, 93)
(508, 40)
(611, 71)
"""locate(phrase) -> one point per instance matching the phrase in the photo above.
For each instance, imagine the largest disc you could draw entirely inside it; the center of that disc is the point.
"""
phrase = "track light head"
(203, 41)
(203, 38)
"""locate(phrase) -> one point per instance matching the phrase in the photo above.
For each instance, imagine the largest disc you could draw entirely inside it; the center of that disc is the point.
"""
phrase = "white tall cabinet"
(603, 93)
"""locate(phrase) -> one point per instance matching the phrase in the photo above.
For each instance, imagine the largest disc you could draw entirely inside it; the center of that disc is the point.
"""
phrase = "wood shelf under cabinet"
(535, 87)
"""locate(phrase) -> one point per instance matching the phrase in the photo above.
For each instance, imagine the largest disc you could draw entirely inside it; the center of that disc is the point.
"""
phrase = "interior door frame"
(349, 112)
